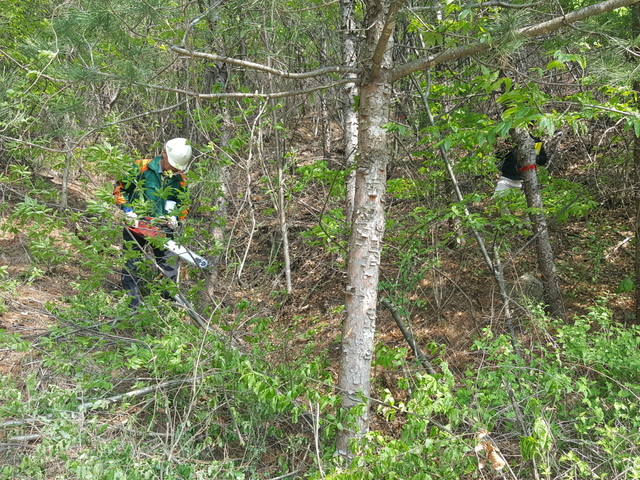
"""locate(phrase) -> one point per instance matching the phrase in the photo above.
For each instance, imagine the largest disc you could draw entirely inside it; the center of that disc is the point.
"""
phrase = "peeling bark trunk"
(365, 246)
(350, 115)
(527, 161)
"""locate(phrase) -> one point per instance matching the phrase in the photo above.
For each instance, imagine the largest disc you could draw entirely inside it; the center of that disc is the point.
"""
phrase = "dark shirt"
(509, 158)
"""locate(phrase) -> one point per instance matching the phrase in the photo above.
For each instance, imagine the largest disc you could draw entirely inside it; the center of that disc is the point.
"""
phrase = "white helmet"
(178, 152)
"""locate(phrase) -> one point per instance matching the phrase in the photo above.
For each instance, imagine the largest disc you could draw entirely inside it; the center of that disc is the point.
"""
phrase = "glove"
(172, 222)
(131, 218)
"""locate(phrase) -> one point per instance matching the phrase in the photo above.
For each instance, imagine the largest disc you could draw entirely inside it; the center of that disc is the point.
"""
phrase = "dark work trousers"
(131, 281)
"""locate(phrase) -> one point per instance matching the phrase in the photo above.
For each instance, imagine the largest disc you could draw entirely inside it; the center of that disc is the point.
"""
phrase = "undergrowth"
(569, 409)
(151, 396)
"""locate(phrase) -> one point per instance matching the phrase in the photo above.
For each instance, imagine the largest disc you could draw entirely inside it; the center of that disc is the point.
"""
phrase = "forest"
(373, 304)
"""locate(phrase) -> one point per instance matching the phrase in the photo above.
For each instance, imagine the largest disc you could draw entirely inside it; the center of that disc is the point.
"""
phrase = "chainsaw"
(145, 227)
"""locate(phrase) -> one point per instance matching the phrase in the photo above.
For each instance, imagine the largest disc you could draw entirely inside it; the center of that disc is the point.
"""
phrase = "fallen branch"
(408, 336)
(103, 402)
(620, 244)
(94, 405)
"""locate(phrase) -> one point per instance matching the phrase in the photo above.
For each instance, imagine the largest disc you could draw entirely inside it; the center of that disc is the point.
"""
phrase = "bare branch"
(103, 402)
(212, 96)
(29, 144)
(489, 4)
(527, 32)
(605, 109)
(133, 117)
(408, 336)
(40, 74)
(263, 68)
(498, 3)
(93, 130)
(197, 20)
(316, 7)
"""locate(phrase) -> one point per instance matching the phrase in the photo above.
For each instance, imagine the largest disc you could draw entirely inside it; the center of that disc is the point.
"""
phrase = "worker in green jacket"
(150, 198)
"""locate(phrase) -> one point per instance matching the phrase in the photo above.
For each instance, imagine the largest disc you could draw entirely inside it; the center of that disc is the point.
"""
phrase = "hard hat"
(178, 152)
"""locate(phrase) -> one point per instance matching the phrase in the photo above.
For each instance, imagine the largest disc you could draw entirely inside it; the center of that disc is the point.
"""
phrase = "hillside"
(67, 338)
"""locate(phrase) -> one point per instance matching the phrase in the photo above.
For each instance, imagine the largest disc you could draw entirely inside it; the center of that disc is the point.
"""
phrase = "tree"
(526, 163)
(366, 238)
(365, 246)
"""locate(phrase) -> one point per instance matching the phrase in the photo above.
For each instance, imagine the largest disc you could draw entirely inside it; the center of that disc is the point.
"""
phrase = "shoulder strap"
(144, 164)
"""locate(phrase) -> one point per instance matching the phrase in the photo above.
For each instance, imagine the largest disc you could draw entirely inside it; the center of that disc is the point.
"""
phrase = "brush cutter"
(146, 228)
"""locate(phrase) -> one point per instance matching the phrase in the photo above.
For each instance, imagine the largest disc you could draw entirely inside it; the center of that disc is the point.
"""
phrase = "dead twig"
(408, 336)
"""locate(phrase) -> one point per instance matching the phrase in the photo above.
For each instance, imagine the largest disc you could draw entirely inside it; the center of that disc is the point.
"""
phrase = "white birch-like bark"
(350, 116)
(365, 246)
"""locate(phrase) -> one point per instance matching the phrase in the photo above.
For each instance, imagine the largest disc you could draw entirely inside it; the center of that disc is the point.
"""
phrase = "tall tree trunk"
(219, 202)
(636, 164)
(527, 164)
(636, 154)
(324, 105)
(349, 111)
(282, 216)
(365, 246)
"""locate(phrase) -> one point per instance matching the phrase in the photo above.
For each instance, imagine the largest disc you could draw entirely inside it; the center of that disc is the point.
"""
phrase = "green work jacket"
(146, 189)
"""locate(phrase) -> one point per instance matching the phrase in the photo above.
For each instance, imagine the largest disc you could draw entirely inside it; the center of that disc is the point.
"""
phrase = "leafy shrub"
(568, 410)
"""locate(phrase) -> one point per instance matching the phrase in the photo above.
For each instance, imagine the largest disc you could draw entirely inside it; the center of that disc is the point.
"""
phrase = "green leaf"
(625, 286)
(556, 64)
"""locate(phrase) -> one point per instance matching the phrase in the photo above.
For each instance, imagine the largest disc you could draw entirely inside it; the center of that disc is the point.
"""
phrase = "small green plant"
(32, 274)
(330, 232)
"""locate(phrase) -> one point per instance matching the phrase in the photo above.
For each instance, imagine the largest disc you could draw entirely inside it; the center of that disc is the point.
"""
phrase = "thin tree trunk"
(496, 268)
(219, 202)
(349, 112)
(280, 203)
(637, 233)
(326, 120)
(282, 216)
(527, 162)
(65, 174)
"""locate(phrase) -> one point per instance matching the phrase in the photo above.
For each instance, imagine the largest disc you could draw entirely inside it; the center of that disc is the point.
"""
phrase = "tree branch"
(500, 4)
(408, 336)
(527, 32)
(489, 4)
(256, 94)
(316, 7)
(29, 144)
(387, 31)
(40, 74)
(103, 402)
(263, 68)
